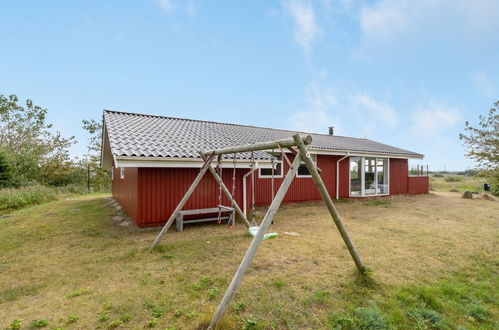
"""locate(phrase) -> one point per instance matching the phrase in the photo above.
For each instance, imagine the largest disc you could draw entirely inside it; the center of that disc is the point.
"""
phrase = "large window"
(368, 176)
(355, 176)
(266, 169)
(303, 170)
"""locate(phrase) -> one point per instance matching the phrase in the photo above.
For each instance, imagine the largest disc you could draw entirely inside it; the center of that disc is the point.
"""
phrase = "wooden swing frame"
(297, 141)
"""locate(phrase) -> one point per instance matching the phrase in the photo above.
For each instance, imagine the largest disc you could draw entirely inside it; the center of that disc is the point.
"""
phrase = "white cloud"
(389, 19)
(347, 109)
(191, 9)
(166, 6)
(306, 27)
(482, 81)
(317, 115)
(434, 119)
(379, 112)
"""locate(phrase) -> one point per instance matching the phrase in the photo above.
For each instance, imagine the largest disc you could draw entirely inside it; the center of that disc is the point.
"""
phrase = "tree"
(36, 151)
(482, 143)
(100, 178)
(5, 170)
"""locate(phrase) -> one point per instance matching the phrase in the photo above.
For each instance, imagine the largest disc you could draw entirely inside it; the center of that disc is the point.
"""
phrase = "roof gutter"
(338, 174)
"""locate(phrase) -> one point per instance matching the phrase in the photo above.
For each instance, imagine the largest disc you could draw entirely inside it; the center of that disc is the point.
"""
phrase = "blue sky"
(402, 72)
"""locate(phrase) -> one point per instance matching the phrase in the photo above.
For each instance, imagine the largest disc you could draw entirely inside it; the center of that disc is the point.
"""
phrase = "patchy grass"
(379, 202)
(434, 260)
(456, 183)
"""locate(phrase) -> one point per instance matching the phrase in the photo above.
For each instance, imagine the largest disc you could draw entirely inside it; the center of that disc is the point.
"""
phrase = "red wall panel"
(418, 185)
(161, 189)
(399, 173)
(149, 195)
(125, 191)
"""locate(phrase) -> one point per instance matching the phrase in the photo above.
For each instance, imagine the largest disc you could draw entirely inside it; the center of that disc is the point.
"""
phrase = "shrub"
(72, 318)
(158, 312)
(39, 323)
(16, 324)
(213, 293)
(278, 283)
(453, 179)
(152, 322)
(126, 318)
(115, 324)
(425, 317)
(6, 173)
(478, 312)
(370, 318)
(238, 306)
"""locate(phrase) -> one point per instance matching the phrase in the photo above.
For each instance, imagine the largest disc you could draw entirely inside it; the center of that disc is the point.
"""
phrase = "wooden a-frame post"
(305, 156)
(255, 243)
(302, 154)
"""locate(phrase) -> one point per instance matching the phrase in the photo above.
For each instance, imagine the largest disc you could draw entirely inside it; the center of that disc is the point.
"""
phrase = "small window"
(266, 169)
(122, 172)
(303, 170)
(112, 174)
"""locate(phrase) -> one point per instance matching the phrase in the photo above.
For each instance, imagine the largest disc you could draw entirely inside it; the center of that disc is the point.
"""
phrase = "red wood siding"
(399, 172)
(344, 178)
(149, 195)
(161, 189)
(125, 191)
(418, 185)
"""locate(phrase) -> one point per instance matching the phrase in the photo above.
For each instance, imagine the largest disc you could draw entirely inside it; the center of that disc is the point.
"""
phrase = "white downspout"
(338, 174)
(244, 187)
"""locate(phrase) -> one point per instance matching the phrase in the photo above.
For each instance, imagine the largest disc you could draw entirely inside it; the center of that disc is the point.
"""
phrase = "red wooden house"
(154, 159)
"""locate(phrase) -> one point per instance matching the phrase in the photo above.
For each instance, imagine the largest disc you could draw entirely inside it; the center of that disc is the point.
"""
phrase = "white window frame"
(267, 166)
(314, 160)
(362, 176)
(122, 172)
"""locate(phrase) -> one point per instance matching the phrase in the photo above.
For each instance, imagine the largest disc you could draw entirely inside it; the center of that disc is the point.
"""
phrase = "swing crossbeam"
(284, 143)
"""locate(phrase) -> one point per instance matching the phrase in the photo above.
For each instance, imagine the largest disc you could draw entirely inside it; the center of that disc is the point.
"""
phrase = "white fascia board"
(130, 161)
(176, 162)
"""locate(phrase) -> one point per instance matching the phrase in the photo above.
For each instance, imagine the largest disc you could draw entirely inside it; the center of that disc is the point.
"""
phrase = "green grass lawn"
(66, 264)
(457, 183)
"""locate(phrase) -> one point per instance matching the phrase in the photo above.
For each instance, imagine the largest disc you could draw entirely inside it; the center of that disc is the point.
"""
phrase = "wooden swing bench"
(180, 221)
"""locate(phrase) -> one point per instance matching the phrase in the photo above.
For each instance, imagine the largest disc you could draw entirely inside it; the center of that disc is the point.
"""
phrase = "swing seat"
(254, 229)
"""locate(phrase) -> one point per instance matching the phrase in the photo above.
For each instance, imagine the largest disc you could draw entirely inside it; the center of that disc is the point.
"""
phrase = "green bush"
(6, 173)
(453, 179)
(370, 318)
(425, 318)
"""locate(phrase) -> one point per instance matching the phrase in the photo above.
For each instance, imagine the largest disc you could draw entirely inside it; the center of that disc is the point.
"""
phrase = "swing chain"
(253, 221)
(273, 170)
(232, 220)
(219, 170)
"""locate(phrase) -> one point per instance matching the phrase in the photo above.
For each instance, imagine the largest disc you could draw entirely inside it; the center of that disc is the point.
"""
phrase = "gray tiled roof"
(132, 134)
